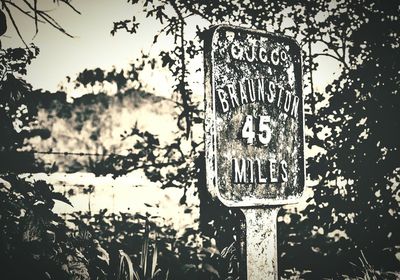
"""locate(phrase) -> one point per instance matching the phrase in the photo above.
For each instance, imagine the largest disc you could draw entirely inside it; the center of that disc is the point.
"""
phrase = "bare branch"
(326, 54)
(36, 18)
(37, 13)
(66, 2)
(54, 23)
(185, 97)
(27, 13)
(332, 47)
(15, 25)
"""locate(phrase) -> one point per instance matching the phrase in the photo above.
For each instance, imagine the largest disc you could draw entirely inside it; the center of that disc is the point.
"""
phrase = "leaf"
(145, 248)
(166, 59)
(150, 13)
(155, 39)
(160, 14)
(154, 260)
(211, 269)
(60, 197)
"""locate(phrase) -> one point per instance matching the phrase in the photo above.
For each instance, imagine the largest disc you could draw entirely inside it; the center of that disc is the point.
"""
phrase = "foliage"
(353, 132)
(123, 79)
(180, 163)
(367, 272)
(16, 112)
(155, 250)
(87, 245)
(353, 124)
(32, 236)
(360, 169)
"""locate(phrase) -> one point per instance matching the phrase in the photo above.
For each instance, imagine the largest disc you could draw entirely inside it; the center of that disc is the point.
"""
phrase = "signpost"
(254, 132)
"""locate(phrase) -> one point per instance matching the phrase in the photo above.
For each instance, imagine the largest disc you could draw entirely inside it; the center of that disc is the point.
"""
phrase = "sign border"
(210, 123)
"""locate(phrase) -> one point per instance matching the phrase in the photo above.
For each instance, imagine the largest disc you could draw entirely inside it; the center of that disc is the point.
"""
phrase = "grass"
(363, 271)
(368, 272)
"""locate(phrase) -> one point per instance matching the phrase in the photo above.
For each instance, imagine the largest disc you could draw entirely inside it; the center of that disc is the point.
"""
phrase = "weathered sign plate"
(254, 117)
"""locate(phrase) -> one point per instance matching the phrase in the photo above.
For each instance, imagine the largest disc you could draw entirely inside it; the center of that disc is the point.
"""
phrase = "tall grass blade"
(145, 249)
(154, 260)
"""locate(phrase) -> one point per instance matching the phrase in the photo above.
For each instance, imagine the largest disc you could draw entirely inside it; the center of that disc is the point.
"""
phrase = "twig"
(15, 25)
(185, 98)
(49, 19)
(36, 18)
(72, 7)
(27, 13)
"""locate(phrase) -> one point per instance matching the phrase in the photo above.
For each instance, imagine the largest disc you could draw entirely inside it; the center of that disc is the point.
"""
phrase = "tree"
(15, 111)
(362, 139)
(33, 239)
(361, 105)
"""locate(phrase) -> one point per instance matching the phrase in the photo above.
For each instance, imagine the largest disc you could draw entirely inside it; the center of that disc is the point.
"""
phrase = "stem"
(310, 62)
(185, 98)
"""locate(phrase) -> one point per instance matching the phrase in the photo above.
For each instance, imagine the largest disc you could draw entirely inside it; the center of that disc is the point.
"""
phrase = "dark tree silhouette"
(356, 173)
(363, 140)
(16, 111)
(16, 114)
(354, 206)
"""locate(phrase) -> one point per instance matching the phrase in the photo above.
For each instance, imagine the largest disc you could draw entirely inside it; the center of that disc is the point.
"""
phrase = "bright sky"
(94, 46)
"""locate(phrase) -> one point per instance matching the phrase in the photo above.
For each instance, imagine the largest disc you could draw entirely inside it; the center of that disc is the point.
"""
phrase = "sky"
(94, 46)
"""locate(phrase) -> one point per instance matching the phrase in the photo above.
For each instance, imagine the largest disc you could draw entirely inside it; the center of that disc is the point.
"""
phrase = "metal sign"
(254, 117)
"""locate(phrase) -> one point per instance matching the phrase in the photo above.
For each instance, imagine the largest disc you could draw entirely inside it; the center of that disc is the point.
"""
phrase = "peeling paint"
(261, 243)
(239, 62)
(254, 133)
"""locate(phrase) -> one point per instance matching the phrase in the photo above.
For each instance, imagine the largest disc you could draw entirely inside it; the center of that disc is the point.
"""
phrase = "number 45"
(264, 131)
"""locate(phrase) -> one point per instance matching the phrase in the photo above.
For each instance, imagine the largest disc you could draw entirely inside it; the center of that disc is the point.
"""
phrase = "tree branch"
(15, 25)
(66, 2)
(332, 56)
(185, 98)
(27, 13)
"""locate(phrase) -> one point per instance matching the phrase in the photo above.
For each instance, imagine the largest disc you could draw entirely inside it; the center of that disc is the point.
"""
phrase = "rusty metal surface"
(261, 243)
(256, 75)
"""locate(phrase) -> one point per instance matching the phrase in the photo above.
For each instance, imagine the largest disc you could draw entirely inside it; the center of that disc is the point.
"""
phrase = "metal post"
(261, 240)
